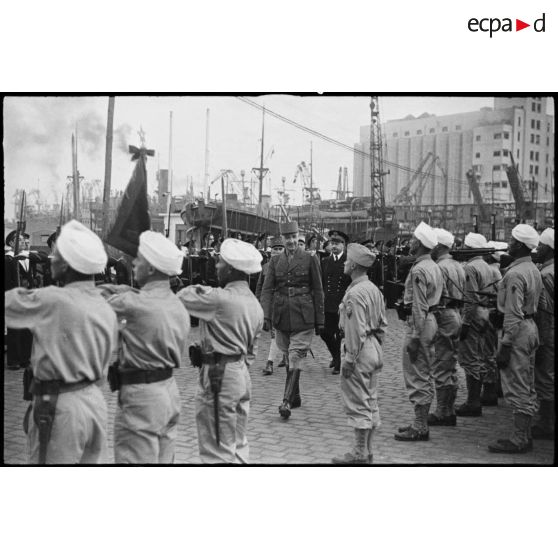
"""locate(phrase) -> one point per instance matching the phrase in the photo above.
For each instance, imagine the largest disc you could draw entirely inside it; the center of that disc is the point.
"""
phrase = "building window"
(547, 142)
(530, 169)
(458, 127)
(548, 127)
(536, 169)
(530, 155)
(477, 155)
(546, 171)
(496, 167)
(506, 135)
(538, 124)
(406, 133)
(419, 132)
(497, 136)
(532, 138)
(519, 120)
(504, 184)
(395, 134)
(505, 152)
(547, 158)
(536, 156)
(533, 107)
(539, 108)
(532, 124)
(477, 138)
(445, 129)
(432, 131)
(518, 136)
(496, 154)
(537, 139)
(518, 153)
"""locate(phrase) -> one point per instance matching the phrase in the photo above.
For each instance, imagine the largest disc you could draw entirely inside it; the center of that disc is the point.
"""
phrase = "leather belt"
(454, 304)
(529, 317)
(54, 387)
(208, 359)
(137, 376)
(433, 308)
(294, 291)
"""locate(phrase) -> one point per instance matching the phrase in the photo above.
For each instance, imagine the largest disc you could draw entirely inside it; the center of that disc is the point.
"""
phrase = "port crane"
(524, 207)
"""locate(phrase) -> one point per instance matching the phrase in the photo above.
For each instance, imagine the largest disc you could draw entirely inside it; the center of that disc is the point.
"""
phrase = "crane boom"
(405, 197)
(524, 208)
(477, 196)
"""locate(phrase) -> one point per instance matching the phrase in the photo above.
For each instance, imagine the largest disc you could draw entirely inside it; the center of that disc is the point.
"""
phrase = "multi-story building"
(482, 140)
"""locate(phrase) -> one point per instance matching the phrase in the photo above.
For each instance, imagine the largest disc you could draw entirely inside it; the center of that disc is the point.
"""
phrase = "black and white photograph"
(279, 279)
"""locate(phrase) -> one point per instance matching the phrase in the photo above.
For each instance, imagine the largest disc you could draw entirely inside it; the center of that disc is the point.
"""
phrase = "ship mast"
(206, 175)
(108, 166)
(261, 171)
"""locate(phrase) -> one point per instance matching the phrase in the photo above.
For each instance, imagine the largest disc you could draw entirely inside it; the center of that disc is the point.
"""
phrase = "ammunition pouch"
(403, 310)
(496, 318)
(195, 353)
(27, 379)
(44, 409)
(114, 377)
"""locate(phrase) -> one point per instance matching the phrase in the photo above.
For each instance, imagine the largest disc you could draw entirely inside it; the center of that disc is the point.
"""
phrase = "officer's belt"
(529, 316)
(433, 308)
(452, 304)
(54, 387)
(130, 376)
(218, 357)
(294, 291)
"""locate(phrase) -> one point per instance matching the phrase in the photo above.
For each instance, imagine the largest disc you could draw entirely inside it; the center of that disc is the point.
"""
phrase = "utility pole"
(108, 166)
(169, 193)
(377, 199)
(261, 171)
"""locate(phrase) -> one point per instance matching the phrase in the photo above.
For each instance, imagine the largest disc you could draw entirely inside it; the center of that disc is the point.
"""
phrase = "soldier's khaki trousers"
(490, 348)
(360, 390)
(79, 432)
(418, 374)
(146, 422)
(518, 378)
(234, 408)
(445, 348)
(294, 344)
(472, 354)
(544, 365)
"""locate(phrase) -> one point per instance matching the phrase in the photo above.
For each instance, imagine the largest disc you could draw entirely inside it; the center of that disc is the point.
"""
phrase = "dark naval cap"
(360, 255)
(338, 236)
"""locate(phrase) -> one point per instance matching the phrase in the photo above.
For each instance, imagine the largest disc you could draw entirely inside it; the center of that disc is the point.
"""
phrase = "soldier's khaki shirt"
(154, 326)
(545, 309)
(231, 318)
(454, 277)
(518, 295)
(361, 312)
(423, 289)
(478, 278)
(74, 330)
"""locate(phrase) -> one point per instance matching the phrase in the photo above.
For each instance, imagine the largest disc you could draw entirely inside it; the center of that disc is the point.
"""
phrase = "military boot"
(292, 380)
(283, 362)
(418, 431)
(359, 455)
(296, 401)
(369, 445)
(489, 396)
(471, 407)
(268, 370)
(443, 416)
(543, 429)
(520, 441)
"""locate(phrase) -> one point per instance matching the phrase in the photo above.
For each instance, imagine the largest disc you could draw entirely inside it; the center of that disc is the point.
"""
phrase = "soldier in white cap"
(472, 349)
(449, 325)
(544, 359)
(74, 333)
(153, 337)
(293, 303)
(423, 291)
(230, 322)
(518, 295)
(362, 320)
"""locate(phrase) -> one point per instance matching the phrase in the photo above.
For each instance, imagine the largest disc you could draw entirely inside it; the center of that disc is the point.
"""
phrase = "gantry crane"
(311, 193)
(524, 207)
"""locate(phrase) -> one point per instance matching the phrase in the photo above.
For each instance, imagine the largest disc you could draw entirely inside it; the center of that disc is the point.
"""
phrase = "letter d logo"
(540, 21)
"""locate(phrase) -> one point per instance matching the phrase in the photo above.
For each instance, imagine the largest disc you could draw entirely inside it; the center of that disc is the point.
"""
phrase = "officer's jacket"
(334, 282)
(478, 278)
(362, 314)
(74, 330)
(545, 309)
(292, 293)
(518, 295)
(454, 277)
(423, 290)
(230, 318)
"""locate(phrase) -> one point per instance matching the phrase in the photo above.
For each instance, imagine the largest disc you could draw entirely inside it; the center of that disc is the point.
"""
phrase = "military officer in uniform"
(472, 348)
(423, 291)
(75, 332)
(449, 323)
(544, 360)
(518, 295)
(277, 246)
(293, 303)
(153, 335)
(335, 283)
(362, 319)
(230, 322)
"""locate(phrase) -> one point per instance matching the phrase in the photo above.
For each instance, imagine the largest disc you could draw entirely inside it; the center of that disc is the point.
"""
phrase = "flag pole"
(169, 193)
(108, 166)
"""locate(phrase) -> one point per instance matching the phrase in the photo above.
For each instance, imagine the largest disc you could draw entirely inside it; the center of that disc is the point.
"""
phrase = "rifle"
(464, 254)
(20, 230)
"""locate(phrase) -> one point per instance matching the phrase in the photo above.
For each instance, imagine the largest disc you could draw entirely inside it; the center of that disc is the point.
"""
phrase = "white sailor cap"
(547, 237)
(241, 255)
(160, 252)
(475, 240)
(426, 235)
(526, 234)
(444, 237)
(82, 249)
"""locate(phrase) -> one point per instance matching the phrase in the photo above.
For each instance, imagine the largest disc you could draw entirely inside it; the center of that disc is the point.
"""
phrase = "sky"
(37, 138)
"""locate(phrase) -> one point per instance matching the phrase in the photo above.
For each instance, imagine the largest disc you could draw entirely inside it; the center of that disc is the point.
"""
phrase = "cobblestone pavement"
(318, 430)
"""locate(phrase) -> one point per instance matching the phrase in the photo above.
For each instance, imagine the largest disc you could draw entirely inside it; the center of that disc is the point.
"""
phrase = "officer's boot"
(418, 431)
(292, 380)
(359, 454)
(489, 397)
(283, 362)
(471, 407)
(442, 416)
(520, 441)
(370, 433)
(268, 370)
(543, 429)
(296, 401)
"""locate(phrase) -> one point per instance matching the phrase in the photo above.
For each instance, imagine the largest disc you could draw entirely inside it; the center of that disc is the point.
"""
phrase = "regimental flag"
(132, 215)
